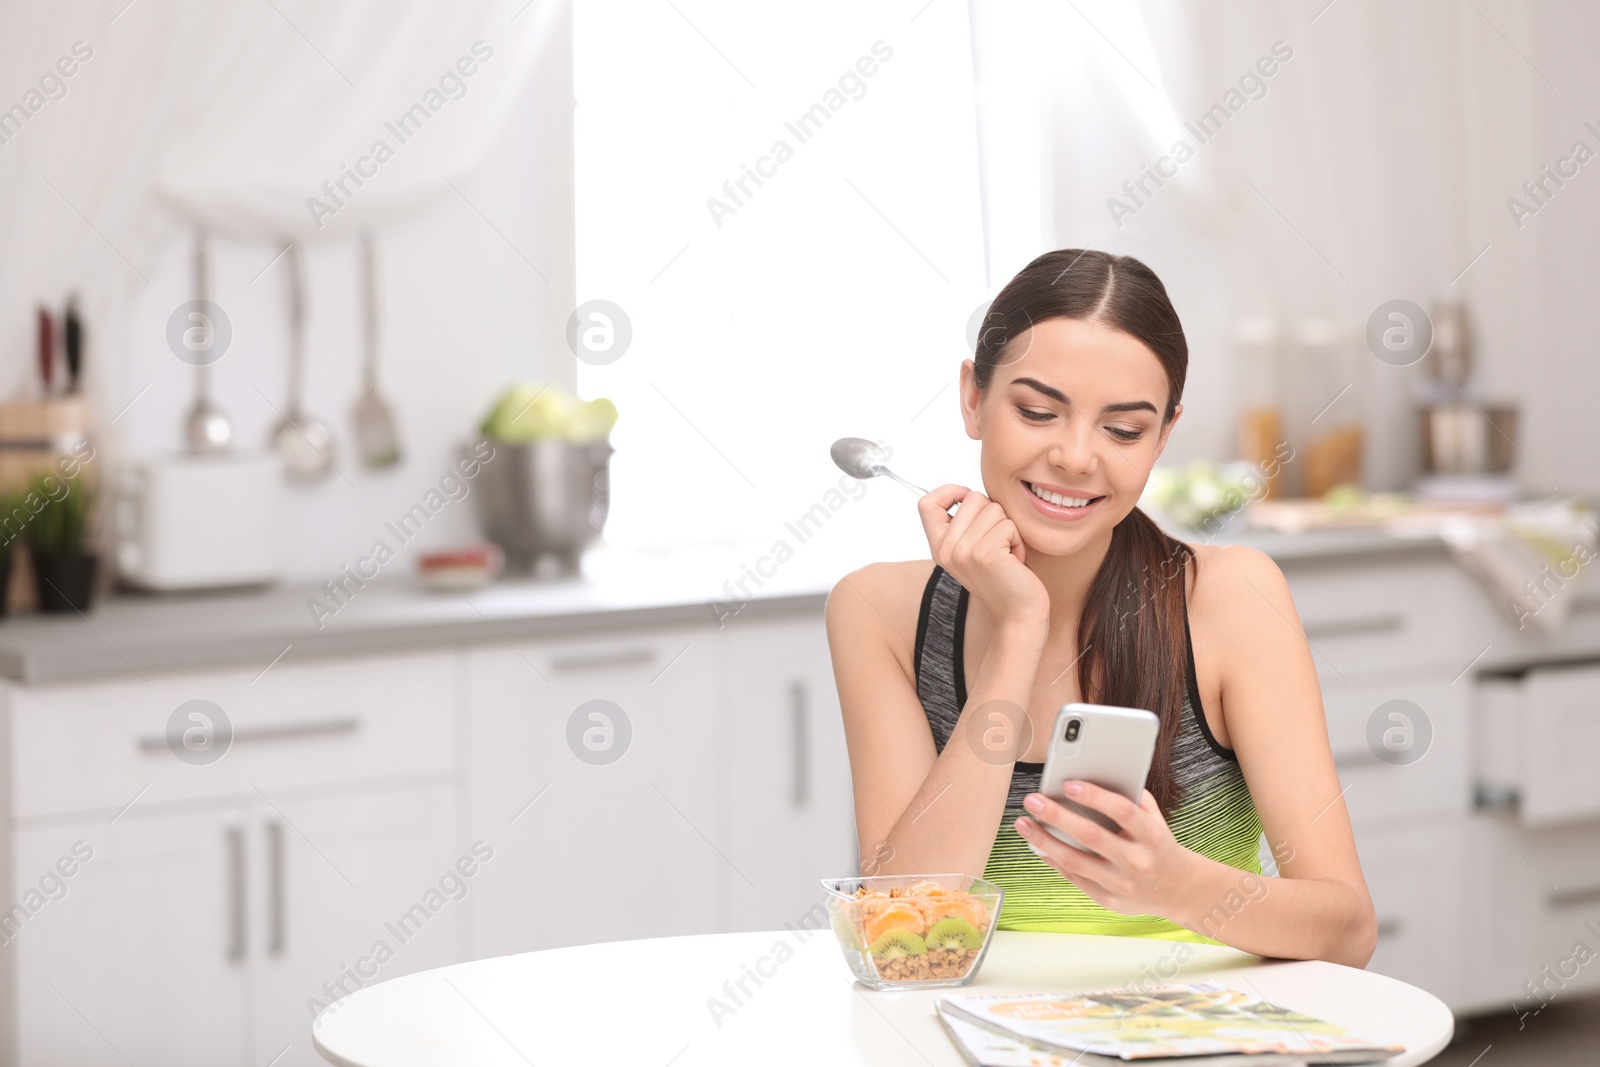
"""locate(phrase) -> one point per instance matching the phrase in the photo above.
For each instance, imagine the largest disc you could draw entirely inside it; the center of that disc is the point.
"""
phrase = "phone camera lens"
(1073, 725)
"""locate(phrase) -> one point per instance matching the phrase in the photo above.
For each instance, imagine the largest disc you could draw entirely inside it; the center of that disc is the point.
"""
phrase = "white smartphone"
(1109, 746)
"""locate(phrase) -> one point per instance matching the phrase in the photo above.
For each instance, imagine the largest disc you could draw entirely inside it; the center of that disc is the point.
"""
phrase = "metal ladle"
(206, 429)
(304, 441)
(864, 459)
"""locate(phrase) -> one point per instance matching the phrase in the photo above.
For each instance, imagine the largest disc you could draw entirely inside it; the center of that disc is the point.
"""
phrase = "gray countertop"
(141, 634)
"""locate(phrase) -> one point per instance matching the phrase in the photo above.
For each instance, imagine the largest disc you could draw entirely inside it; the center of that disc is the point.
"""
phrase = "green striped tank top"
(1214, 815)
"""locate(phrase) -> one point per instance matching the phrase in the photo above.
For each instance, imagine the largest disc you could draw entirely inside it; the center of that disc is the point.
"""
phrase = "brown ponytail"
(1131, 632)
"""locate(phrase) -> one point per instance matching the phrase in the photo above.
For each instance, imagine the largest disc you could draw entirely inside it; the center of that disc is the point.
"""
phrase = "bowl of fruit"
(913, 931)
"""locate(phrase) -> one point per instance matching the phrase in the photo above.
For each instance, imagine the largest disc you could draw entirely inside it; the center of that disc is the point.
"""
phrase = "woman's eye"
(1125, 435)
(1036, 416)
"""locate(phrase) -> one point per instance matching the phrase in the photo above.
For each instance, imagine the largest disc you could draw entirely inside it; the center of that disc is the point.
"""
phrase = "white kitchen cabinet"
(1416, 874)
(1559, 733)
(784, 787)
(1536, 896)
(1379, 793)
(1382, 616)
(94, 746)
(201, 938)
(338, 877)
(595, 851)
(220, 896)
(141, 960)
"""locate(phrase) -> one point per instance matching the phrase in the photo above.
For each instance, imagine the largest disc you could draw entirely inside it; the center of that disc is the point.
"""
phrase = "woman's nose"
(1073, 449)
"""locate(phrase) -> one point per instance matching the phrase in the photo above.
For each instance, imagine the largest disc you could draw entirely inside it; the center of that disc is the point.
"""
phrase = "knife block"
(36, 436)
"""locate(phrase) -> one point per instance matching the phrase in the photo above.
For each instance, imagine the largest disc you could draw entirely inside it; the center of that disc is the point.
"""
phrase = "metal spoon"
(860, 458)
(206, 429)
(304, 441)
(376, 436)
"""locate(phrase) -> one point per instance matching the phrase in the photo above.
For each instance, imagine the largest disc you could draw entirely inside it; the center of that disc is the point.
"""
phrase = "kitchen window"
(790, 219)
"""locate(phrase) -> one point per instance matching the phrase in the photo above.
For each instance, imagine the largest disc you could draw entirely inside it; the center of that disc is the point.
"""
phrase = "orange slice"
(960, 905)
(880, 917)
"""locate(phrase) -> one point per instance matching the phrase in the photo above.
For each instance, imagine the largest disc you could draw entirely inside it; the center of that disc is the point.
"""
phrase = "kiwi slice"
(845, 931)
(952, 932)
(896, 943)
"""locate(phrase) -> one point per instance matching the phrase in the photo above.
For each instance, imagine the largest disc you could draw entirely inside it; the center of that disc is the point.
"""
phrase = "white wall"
(1375, 167)
(464, 309)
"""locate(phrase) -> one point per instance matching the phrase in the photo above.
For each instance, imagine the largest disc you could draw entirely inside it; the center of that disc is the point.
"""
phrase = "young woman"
(1051, 586)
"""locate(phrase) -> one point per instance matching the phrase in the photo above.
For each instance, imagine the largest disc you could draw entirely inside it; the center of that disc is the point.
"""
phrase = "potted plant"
(13, 518)
(58, 542)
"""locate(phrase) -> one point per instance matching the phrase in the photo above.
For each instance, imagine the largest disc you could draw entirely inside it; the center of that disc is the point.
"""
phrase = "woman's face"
(1074, 408)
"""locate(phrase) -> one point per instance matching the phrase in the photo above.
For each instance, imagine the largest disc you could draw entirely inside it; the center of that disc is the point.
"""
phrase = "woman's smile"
(1071, 508)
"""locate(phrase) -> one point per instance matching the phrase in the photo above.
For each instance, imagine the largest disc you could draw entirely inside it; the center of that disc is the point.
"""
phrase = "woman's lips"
(1050, 511)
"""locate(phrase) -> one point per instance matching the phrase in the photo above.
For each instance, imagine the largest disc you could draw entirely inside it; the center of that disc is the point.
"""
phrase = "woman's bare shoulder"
(1236, 588)
(883, 601)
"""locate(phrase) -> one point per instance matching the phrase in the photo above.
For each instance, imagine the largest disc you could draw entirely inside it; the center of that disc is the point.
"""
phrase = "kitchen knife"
(72, 343)
(46, 348)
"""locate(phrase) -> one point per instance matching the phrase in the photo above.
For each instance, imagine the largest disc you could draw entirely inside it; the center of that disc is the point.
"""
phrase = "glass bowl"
(913, 931)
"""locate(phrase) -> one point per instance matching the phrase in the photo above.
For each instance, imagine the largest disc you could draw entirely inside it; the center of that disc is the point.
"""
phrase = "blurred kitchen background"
(485, 503)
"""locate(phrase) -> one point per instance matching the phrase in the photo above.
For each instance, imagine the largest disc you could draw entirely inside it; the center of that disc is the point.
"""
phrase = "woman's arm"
(1319, 907)
(1272, 707)
(918, 811)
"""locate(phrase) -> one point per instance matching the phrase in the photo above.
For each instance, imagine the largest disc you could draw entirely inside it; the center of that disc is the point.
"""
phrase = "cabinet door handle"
(587, 661)
(1343, 760)
(1567, 898)
(277, 937)
(1366, 624)
(799, 749)
(281, 732)
(236, 902)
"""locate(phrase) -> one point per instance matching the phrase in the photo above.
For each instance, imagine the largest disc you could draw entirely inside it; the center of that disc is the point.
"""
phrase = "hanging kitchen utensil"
(46, 350)
(376, 436)
(72, 343)
(207, 428)
(304, 441)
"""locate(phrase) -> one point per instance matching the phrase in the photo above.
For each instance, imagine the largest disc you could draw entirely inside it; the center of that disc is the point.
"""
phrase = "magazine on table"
(1196, 1019)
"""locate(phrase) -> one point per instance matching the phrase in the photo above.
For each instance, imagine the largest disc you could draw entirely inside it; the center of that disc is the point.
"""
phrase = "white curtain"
(1369, 164)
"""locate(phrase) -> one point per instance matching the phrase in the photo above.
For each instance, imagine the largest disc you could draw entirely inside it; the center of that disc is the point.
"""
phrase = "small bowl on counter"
(460, 569)
(913, 931)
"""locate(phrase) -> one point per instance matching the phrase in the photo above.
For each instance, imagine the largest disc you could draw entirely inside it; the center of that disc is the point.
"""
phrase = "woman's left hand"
(1140, 871)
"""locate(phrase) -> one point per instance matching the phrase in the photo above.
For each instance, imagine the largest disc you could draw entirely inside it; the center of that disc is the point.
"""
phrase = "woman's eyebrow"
(1057, 395)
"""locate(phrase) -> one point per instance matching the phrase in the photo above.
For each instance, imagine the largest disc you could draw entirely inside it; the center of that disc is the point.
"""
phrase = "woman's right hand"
(982, 550)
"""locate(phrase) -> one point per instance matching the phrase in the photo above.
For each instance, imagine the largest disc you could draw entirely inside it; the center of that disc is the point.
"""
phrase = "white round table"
(656, 1002)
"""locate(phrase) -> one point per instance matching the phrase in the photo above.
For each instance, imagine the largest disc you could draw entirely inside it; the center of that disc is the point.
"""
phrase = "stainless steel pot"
(1461, 439)
(544, 499)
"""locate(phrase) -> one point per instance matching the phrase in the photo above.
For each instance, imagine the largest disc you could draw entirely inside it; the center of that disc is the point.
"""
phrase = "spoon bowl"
(861, 458)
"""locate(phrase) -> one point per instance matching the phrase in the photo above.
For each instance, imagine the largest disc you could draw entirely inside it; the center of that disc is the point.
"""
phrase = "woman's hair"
(1132, 630)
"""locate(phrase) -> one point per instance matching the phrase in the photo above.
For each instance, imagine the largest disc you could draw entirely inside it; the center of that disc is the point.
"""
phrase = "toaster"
(201, 521)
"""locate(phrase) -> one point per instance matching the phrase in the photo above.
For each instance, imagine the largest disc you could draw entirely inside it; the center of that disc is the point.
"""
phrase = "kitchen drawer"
(1377, 616)
(98, 745)
(1416, 878)
(1559, 740)
(1540, 896)
(1378, 792)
